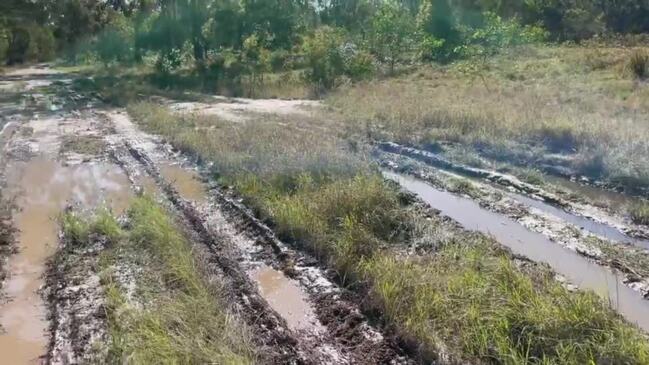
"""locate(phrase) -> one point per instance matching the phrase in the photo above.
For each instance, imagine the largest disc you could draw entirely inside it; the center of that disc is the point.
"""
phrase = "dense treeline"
(330, 39)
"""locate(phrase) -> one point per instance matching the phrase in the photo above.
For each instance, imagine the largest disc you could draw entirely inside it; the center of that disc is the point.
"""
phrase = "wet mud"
(41, 189)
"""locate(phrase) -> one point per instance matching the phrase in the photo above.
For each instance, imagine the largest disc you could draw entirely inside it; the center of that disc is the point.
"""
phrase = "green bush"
(324, 58)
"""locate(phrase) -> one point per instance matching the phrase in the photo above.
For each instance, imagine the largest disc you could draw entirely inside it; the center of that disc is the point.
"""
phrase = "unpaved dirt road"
(64, 151)
(61, 150)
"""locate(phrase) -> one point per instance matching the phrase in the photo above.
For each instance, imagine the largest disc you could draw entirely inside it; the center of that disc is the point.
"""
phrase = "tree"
(324, 56)
(437, 29)
(256, 60)
(392, 30)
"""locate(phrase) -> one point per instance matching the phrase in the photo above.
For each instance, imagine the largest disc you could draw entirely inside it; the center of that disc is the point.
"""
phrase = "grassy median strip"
(170, 314)
(469, 299)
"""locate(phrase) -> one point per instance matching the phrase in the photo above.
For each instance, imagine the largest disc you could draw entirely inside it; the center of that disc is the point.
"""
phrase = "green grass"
(472, 297)
(176, 316)
(468, 299)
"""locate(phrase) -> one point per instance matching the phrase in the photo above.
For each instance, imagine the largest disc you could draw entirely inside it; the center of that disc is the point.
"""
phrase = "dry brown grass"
(577, 101)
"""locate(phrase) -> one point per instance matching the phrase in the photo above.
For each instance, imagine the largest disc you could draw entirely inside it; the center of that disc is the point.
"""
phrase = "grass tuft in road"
(172, 314)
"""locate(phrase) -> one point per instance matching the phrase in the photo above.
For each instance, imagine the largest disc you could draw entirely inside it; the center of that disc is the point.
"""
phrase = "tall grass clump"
(174, 316)
(466, 299)
(639, 64)
(472, 302)
(639, 212)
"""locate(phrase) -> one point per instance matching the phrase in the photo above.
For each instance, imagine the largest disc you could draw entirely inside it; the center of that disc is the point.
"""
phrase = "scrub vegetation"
(160, 306)
(465, 297)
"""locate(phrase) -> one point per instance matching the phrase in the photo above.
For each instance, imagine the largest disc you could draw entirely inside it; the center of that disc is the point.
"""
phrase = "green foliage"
(324, 58)
(115, 43)
(437, 28)
(392, 33)
(497, 34)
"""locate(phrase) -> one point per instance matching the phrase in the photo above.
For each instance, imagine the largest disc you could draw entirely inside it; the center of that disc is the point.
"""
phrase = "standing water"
(578, 270)
(41, 189)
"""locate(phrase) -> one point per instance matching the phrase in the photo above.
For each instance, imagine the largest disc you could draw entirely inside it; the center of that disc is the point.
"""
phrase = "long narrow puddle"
(576, 269)
(286, 298)
(41, 189)
(615, 200)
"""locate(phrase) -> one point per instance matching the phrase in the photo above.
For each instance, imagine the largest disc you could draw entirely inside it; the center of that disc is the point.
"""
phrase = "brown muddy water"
(577, 269)
(41, 189)
(185, 181)
(286, 298)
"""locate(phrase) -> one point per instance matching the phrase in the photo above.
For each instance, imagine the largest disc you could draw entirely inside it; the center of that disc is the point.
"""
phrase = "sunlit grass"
(468, 300)
(575, 100)
(177, 317)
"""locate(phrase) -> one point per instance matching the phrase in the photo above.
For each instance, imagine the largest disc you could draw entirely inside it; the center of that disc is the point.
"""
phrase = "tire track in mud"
(340, 334)
(528, 233)
(537, 216)
(244, 246)
(273, 332)
(626, 231)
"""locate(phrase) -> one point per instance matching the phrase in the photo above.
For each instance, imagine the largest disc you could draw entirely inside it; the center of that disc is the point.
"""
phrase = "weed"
(639, 212)
(639, 64)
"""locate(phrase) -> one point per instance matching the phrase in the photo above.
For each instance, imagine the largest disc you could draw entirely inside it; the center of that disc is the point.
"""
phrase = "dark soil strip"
(272, 329)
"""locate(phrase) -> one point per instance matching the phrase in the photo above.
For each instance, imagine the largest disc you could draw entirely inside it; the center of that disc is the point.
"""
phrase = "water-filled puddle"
(616, 201)
(185, 181)
(41, 189)
(285, 297)
(600, 229)
(578, 270)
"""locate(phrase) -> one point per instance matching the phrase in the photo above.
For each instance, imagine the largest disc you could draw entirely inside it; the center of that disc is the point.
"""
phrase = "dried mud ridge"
(553, 228)
(348, 337)
(76, 302)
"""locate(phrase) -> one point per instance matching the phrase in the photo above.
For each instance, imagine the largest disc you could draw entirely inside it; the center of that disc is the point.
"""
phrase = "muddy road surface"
(588, 247)
(62, 151)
